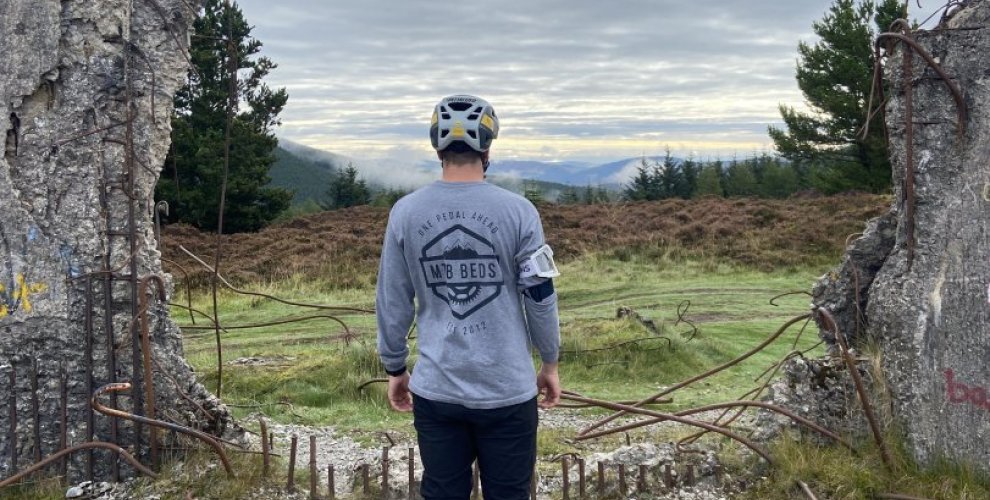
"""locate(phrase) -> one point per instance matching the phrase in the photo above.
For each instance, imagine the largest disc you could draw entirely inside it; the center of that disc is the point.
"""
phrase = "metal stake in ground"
(385, 472)
(291, 486)
(581, 490)
(12, 406)
(313, 479)
(35, 412)
(331, 484)
(564, 466)
(265, 459)
(412, 473)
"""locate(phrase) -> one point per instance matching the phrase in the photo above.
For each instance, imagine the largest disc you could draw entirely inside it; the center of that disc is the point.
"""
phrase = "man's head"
(462, 129)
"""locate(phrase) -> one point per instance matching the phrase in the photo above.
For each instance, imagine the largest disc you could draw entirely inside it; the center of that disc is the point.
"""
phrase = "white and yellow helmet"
(464, 118)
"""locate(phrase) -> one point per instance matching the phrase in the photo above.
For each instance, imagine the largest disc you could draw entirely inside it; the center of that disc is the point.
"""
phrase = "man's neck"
(467, 172)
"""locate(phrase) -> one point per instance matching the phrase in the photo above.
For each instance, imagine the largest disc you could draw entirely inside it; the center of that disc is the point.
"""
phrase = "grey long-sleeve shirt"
(457, 249)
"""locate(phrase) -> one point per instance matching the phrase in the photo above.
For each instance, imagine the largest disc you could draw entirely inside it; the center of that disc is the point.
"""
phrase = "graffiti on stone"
(17, 295)
(960, 393)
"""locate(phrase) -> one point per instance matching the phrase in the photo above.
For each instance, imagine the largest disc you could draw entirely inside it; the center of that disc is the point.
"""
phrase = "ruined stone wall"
(81, 81)
(932, 318)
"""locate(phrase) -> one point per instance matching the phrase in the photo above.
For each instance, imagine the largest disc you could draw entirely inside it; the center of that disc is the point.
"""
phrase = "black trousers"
(451, 437)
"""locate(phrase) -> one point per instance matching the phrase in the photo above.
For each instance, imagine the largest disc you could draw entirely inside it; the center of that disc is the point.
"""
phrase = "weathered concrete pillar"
(932, 317)
(85, 98)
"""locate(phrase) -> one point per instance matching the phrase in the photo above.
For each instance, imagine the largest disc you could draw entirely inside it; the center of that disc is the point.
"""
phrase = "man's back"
(458, 247)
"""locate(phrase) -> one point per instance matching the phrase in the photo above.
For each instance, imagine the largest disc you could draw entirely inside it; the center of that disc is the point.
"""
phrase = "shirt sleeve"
(542, 317)
(394, 307)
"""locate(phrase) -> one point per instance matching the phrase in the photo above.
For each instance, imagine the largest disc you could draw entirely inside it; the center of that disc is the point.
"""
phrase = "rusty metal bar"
(601, 478)
(698, 377)
(953, 88)
(412, 472)
(265, 458)
(365, 479)
(63, 424)
(291, 485)
(111, 358)
(88, 355)
(860, 389)
(113, 412)
(84, 446)
(149, 385)
(622, 479)
(313, 477)
(385, 472)
(137, 404)
(689, 475)
(668, 476)
(331, 484)
(581, 482)
(12, 417)
(35, 411)
(565, 476)
(704, 425)
(730, 404)
(641, 480)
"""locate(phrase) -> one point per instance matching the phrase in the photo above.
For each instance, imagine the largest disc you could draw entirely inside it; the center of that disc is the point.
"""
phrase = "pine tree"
(645, 185)
(740, 180)
(779, 179)
(193, 173)
(569, 196)
(709, 183)
(346, 190)
(835, 75)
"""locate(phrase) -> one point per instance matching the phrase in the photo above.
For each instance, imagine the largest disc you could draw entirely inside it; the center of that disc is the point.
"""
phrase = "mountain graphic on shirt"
(462, 268)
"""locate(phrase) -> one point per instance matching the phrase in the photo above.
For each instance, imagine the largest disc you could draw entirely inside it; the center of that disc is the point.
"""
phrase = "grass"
(861, 476)
(315, 371)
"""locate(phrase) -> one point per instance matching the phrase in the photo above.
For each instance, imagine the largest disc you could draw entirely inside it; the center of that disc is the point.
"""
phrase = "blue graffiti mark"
(66, 252)
(33, 233)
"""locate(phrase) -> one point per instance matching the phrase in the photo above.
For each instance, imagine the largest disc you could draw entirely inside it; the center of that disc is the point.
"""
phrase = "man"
(473, 257)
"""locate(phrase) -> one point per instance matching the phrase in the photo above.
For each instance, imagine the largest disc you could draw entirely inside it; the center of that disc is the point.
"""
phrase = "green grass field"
(314, 367)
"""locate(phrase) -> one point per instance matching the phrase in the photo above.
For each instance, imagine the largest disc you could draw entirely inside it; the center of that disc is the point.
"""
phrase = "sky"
(591, 80)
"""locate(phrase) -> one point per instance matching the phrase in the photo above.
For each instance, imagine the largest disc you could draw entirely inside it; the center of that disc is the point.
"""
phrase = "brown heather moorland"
(341, 247)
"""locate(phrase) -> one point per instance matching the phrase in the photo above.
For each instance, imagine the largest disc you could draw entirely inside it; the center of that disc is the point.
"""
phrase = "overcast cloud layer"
(570, 79)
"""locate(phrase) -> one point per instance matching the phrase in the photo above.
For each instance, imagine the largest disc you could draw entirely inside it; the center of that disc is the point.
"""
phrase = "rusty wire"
(858, 381)
(698, 377)
(268, 296)
(68, 451)
(667, 416)
(114, 412)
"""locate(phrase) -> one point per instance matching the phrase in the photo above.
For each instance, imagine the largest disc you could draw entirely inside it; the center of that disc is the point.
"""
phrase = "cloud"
(364, 76)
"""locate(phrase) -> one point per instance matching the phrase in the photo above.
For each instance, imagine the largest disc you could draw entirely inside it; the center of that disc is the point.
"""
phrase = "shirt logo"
(462, 269)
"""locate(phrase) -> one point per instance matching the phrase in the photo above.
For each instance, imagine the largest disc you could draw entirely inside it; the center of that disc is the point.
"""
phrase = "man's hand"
(399, 397)
(548, 384)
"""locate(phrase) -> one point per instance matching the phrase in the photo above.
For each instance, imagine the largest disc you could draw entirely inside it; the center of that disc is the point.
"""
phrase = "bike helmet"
(464, 118)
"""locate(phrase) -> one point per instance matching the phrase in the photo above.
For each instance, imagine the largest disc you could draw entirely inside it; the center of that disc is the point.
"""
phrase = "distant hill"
(307, 171)
(308, 178)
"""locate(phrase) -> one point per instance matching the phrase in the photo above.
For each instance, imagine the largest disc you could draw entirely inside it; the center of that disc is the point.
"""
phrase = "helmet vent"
(473, 134)
(442, 108)
(445, 116)
(444, 132)
(473, 116)
(478, 109)
(460, 106)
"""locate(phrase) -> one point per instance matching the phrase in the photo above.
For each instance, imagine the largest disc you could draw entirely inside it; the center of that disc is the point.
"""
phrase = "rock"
(65, 189)
(74, 492)
(929, 312)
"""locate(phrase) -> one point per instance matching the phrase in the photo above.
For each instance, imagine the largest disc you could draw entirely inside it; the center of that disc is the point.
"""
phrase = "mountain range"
(308, 172)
